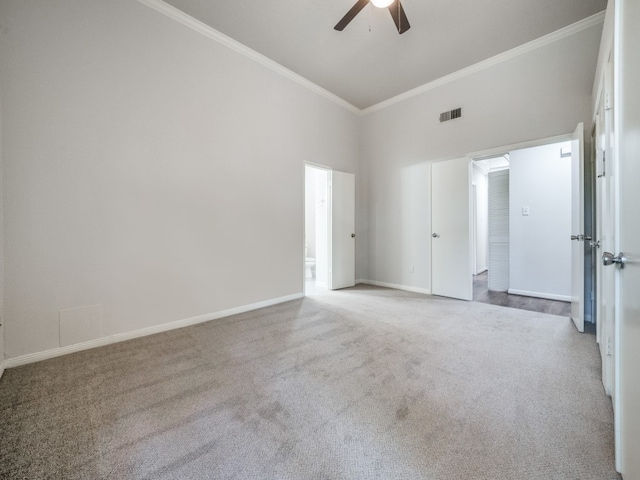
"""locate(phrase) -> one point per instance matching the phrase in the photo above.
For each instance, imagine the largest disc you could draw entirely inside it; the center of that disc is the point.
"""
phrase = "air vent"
(451, 115)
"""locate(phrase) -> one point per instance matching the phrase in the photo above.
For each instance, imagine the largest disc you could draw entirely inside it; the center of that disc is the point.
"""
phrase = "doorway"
(521, 209)
(329, 240)
(316, 230)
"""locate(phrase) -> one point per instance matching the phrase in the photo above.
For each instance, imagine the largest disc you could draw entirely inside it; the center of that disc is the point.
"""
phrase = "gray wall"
(539, 94)
(540, 245)
(148, 169)
(159, 174)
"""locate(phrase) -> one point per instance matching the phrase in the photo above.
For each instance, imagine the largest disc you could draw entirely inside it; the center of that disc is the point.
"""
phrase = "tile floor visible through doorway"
(482, 294)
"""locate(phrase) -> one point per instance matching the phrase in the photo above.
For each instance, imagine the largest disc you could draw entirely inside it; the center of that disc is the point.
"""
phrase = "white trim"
(548, 296)
(606, 48)
(2, 367)
(396, 286)
(481, 271)
(209, 32)
(319, 166)
(121, 337)
(616, 92)
(490, 62)
(497, 151)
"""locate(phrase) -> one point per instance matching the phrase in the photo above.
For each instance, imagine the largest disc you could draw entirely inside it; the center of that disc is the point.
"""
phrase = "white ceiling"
(366, 67)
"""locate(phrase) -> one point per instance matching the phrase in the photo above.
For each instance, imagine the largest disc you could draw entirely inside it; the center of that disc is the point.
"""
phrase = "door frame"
(329, 229)
(474, 228)
(304, 224)
(498, 151)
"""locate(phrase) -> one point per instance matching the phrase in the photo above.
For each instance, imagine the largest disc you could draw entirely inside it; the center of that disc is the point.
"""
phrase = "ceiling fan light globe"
(382, 3)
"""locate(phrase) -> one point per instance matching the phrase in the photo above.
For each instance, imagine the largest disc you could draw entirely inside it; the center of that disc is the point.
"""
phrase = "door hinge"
(604, 154)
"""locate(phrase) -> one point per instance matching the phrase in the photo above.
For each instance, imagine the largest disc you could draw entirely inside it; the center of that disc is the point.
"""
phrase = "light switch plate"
(525, 211)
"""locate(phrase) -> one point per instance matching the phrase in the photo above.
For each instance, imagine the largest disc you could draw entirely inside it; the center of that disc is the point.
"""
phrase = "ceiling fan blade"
(360, 4)
(399, 17)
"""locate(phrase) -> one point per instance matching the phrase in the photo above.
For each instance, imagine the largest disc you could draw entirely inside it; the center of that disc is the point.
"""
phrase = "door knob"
(580, 237)
(435, 235)
(610, 259)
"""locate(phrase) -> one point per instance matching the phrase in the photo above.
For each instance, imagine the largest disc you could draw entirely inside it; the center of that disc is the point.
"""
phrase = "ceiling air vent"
(451, 115)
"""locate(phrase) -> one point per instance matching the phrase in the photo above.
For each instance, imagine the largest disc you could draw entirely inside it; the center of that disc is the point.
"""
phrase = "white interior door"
(451, 274)
(342, 272)
(577, 228)
(498, 231)
(627, 125)
(605, 234)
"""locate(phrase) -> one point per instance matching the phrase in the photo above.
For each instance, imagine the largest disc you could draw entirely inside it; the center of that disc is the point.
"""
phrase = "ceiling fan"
(394, 6)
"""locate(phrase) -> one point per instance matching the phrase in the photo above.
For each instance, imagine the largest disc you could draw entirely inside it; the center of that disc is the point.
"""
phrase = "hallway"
(482, 294)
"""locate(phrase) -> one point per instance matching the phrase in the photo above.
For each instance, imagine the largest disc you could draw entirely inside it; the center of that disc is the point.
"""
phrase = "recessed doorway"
(329, 240)
(316, 230)
(521, 228)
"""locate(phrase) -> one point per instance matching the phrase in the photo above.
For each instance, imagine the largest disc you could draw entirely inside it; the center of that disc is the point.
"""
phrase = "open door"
(342, 197)
(451, 274)
(577, 228)
(605, 233)
(627, 252)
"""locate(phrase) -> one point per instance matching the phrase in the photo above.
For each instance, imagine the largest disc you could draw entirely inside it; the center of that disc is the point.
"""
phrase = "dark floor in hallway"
(482, 294)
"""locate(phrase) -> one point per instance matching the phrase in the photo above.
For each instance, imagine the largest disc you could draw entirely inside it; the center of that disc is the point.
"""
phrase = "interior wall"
(362, 213)
(540, 253)
(539, 94)
(148, 170)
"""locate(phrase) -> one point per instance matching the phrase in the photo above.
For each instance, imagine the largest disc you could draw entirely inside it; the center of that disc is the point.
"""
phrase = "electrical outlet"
(525, 211)
(609, 346)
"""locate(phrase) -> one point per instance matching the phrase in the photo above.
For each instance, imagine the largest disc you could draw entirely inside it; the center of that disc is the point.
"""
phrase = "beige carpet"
(365, 383)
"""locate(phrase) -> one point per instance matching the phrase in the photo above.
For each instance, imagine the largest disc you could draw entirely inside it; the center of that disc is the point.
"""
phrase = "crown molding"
(213, 34)
(565, 32)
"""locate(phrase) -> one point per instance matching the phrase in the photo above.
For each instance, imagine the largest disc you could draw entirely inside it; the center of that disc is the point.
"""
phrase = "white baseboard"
(2, 367)
(121, 337)
(548, 296)
(407, 288)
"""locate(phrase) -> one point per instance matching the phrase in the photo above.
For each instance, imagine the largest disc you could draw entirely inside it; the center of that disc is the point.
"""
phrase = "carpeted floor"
(364, 383)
